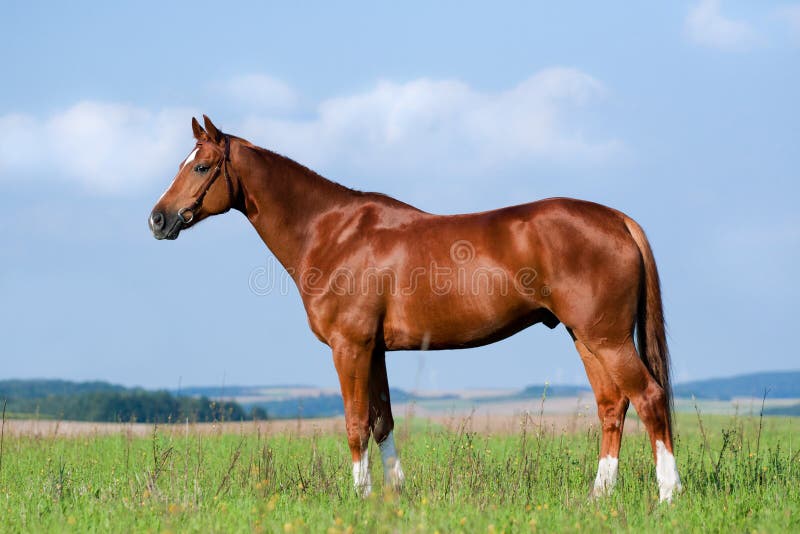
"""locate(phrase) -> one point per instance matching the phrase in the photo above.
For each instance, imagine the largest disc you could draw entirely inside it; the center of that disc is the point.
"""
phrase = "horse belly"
(461, 324)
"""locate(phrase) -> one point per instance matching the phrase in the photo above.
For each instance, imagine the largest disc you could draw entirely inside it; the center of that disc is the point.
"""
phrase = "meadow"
(740, 473)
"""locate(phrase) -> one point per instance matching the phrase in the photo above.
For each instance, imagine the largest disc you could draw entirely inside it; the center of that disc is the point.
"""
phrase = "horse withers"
(376, 275)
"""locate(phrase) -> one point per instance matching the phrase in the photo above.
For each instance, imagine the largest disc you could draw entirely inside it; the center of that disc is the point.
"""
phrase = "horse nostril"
(156, 220)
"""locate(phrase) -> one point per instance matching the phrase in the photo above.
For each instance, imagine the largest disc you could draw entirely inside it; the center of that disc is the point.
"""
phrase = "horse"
(376, 274)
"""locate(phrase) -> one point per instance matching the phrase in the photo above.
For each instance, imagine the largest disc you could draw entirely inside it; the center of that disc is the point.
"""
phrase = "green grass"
(735, 477)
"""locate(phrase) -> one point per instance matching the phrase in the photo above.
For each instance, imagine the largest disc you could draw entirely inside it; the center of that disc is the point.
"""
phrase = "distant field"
(730, 395)
(102, 401)
(461, 478)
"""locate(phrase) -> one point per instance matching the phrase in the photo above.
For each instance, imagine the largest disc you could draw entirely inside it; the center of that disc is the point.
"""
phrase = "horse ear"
(213, 133)
(198, 131)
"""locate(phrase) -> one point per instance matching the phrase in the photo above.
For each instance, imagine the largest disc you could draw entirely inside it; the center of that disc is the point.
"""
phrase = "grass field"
(739, 474)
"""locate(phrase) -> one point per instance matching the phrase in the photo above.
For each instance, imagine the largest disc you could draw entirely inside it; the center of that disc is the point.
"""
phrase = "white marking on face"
(361, 477)
(392, 471)
(166, 190)
(669, 483)
(190, 157)
(606, 475)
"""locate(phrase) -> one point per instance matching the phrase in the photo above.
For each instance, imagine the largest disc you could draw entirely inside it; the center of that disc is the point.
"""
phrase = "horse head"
(203, 186)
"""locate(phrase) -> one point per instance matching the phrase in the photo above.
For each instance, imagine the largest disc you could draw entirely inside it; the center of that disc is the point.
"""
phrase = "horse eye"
(201, 168)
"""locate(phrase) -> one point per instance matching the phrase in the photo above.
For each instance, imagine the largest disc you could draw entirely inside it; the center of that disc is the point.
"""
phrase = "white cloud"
(105, 147)
(707, 26)
(444, 126)
(260, 92)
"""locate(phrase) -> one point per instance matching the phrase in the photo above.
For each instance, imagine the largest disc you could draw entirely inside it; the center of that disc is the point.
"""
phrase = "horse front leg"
(381, 421)
(353, 362)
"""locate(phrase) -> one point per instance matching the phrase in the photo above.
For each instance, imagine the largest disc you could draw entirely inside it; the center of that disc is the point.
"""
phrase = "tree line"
(103, 402)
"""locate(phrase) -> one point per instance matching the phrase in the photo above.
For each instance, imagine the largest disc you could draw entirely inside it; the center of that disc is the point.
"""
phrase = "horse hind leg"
(622, 363)
(382, 423)
(612, 405)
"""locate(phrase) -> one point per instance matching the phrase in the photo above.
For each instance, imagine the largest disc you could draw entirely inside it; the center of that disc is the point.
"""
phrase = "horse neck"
(282, 199)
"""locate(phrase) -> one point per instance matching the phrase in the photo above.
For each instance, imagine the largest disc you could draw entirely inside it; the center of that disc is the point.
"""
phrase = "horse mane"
(302, 169)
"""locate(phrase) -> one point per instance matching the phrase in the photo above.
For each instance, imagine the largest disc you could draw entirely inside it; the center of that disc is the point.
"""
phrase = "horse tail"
(651, 338)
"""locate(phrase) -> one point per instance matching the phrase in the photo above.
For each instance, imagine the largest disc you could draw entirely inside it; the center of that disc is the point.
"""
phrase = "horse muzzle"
(165, 227)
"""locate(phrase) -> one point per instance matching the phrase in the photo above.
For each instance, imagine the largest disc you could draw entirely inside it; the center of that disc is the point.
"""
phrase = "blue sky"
(684, 115)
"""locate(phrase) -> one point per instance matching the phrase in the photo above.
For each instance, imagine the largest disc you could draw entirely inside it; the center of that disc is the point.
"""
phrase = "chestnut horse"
(376, 274)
